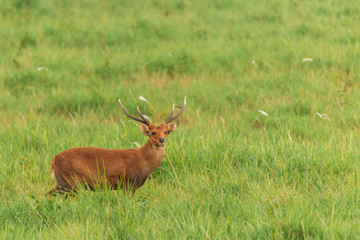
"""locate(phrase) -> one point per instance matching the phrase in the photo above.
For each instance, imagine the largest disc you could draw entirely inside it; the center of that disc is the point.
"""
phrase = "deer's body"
(125, 168)
(93, 165)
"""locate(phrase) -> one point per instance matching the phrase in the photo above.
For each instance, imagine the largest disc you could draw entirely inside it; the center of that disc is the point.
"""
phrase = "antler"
(171, 118)
(142, 120)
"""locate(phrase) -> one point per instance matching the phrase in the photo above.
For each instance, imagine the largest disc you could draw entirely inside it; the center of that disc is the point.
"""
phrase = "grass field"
(230, 171)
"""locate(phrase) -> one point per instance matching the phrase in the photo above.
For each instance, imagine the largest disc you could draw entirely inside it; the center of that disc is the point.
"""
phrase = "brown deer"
(125, 168)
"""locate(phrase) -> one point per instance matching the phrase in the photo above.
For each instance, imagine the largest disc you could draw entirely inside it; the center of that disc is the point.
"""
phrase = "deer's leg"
(61, 191)
(133, 191)
(136, 186)
(56, 190)
(61, 187)
(129, 189)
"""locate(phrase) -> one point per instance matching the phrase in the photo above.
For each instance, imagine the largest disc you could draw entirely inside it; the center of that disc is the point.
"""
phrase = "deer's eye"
(166, 132)
(153, 133)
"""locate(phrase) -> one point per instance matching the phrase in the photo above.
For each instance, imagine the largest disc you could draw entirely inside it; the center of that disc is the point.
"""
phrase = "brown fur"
(125, 168)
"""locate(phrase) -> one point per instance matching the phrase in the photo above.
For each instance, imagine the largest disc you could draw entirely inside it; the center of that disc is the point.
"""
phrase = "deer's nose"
(161, 140)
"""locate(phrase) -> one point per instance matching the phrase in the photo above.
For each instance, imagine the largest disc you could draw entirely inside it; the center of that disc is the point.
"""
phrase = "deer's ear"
(171, 127)
(144, 129)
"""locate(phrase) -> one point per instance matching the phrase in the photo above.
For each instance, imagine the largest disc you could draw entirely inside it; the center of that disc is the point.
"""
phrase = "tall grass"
(230, 171)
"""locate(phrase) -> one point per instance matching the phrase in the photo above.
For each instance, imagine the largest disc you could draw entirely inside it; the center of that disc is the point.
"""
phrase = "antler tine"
(132, 117)
(171, 114)
(138, 110)
(171, 118)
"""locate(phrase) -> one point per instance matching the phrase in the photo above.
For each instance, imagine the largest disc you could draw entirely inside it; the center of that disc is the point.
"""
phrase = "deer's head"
(157, 134)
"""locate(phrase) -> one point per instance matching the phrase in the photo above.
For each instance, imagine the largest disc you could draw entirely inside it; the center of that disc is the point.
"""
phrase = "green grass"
(230, 172)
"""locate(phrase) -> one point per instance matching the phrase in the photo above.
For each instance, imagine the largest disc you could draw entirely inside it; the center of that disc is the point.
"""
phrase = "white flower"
(263, 113)
(143, 99)
(254, 63)
(323, 116)
(42, 68)
(307, 60)
(146, 117)
(319, 114)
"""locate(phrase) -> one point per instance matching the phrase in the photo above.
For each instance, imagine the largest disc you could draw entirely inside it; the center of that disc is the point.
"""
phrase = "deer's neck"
(152, 155)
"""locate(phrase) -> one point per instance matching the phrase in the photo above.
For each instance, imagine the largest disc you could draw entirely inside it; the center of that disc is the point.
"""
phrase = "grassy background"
(230, 172)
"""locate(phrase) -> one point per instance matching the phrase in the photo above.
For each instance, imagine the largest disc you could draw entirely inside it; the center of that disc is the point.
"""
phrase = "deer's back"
(89, 162)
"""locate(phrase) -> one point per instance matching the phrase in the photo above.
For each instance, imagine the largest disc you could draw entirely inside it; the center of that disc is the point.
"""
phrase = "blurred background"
(266, 148)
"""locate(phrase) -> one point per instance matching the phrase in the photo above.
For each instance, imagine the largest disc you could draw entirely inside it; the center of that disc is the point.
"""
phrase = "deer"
(127, 169)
